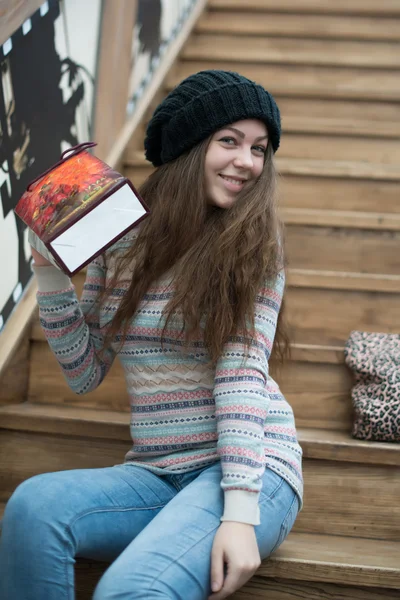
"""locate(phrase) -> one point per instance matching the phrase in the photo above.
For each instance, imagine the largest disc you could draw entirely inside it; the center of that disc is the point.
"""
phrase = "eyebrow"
(242, 135)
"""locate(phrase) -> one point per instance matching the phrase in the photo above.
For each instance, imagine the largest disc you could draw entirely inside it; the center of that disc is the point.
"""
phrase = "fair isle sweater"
(185, 414)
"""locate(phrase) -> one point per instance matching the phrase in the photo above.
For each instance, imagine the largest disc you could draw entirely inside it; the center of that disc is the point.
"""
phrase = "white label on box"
(98, 227)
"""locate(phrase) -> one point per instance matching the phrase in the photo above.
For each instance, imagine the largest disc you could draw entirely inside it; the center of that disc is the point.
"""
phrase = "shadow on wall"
(149, 19)
(37, 117)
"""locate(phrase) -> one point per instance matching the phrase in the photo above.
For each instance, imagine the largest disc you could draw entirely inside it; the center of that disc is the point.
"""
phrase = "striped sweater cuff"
(51, 279)
(241, 506)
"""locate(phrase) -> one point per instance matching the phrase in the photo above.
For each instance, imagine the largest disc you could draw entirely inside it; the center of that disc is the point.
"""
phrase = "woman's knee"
(32, 500)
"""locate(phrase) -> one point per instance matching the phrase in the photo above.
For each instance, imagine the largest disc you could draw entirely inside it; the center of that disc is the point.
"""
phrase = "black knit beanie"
(200, 105)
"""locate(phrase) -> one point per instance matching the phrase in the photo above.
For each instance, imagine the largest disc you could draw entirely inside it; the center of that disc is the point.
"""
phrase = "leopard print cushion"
(375, 360)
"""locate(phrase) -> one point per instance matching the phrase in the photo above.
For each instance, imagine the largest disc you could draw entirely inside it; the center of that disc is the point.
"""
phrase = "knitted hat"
(200, 105)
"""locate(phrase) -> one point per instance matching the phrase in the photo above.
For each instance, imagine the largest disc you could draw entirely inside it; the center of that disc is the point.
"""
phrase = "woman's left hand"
(235, 545)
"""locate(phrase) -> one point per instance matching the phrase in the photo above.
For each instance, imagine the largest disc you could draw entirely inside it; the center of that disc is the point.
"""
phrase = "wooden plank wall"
(113, 72)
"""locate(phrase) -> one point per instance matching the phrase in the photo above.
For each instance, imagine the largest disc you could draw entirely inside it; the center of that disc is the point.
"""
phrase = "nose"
(244, 158)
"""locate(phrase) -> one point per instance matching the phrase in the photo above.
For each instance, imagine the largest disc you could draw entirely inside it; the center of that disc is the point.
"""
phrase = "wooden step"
(338, 168)
(330, 147)
(333, 114)
(284, 589)
(372, 221)
(336, 559)
(289, 556)
(340, 127)
(312, 81)
(340, 496)
(351, 499)
(312, 192)
(306, 566)
(323, 307)
(339, 463)
(342, 280)
(355, 7)
(325, 315)
(334, 247)
(330, 53)
(297, 166)
(339, 118)
(299, 26)
(315, 381)
(88, 573)
(108, 424)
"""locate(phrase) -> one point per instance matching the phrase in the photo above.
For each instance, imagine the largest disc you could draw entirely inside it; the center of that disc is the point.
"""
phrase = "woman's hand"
(38, 259)
(234, 544)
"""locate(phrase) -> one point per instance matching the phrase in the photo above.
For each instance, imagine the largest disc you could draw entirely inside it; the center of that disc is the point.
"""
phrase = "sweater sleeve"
(72, 327)
(242, 403)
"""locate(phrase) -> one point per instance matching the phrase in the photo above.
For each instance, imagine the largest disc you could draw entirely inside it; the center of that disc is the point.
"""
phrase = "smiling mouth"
(234, 180)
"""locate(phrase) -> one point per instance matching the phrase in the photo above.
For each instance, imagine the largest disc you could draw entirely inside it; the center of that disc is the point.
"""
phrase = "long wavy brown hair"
(220, 257)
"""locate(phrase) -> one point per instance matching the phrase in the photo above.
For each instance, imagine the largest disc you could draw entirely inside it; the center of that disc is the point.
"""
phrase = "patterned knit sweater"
(185, 414)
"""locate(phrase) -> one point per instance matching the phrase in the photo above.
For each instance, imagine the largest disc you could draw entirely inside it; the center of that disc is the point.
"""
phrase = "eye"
(260, 149)
(228, 140)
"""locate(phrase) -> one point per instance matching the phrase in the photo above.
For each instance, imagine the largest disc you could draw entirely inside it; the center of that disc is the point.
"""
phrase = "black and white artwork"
(48, 69)
(158, 22)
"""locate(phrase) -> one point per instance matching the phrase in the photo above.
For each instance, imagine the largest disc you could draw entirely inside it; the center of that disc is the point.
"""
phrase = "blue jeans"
(157, 531)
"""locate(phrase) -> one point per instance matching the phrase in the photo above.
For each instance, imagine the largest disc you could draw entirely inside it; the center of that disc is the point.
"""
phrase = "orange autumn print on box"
(66, 193)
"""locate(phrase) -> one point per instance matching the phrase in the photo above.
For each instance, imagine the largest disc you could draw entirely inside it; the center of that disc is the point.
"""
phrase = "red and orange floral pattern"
(62, 195)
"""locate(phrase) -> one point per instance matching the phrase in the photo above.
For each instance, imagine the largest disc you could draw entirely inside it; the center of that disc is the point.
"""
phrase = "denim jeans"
(157, 531)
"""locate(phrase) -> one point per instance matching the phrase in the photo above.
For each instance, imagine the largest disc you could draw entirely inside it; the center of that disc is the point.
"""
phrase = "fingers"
(231, 584)
(235, 579)
(217, 569)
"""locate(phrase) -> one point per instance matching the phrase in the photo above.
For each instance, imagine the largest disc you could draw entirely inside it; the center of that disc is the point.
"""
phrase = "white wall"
(77, 32)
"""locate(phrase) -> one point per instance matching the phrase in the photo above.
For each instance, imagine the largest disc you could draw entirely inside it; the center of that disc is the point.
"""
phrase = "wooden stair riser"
(343, 249)
(88, 573)
(329, 53)
(307, 81)
(15, 380)
(332, 193)
(285, 589)
(318, 392)
(350, 499)
(327, 316)
(340, 498)
(324, 110)
(299, 26)
(319, 192)
(331, 147)
(323, 7)
(107, 424)
(30, 454)
(336, 117)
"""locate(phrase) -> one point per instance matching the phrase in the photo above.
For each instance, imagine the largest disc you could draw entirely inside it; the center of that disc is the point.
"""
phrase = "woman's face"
(235, 156)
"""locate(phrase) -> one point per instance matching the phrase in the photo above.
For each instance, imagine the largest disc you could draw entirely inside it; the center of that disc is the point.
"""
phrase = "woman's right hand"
(39, 260)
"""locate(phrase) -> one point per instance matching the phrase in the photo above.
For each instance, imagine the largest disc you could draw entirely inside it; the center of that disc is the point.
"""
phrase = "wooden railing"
(13, 13)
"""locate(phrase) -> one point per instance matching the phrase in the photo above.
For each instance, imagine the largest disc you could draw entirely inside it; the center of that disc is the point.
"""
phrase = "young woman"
(189, 301)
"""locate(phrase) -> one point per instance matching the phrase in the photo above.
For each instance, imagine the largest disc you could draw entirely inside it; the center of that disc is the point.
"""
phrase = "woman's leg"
(52, 518)
(171, 558)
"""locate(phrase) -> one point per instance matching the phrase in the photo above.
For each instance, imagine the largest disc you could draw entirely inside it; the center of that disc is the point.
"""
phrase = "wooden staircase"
(334, 69)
